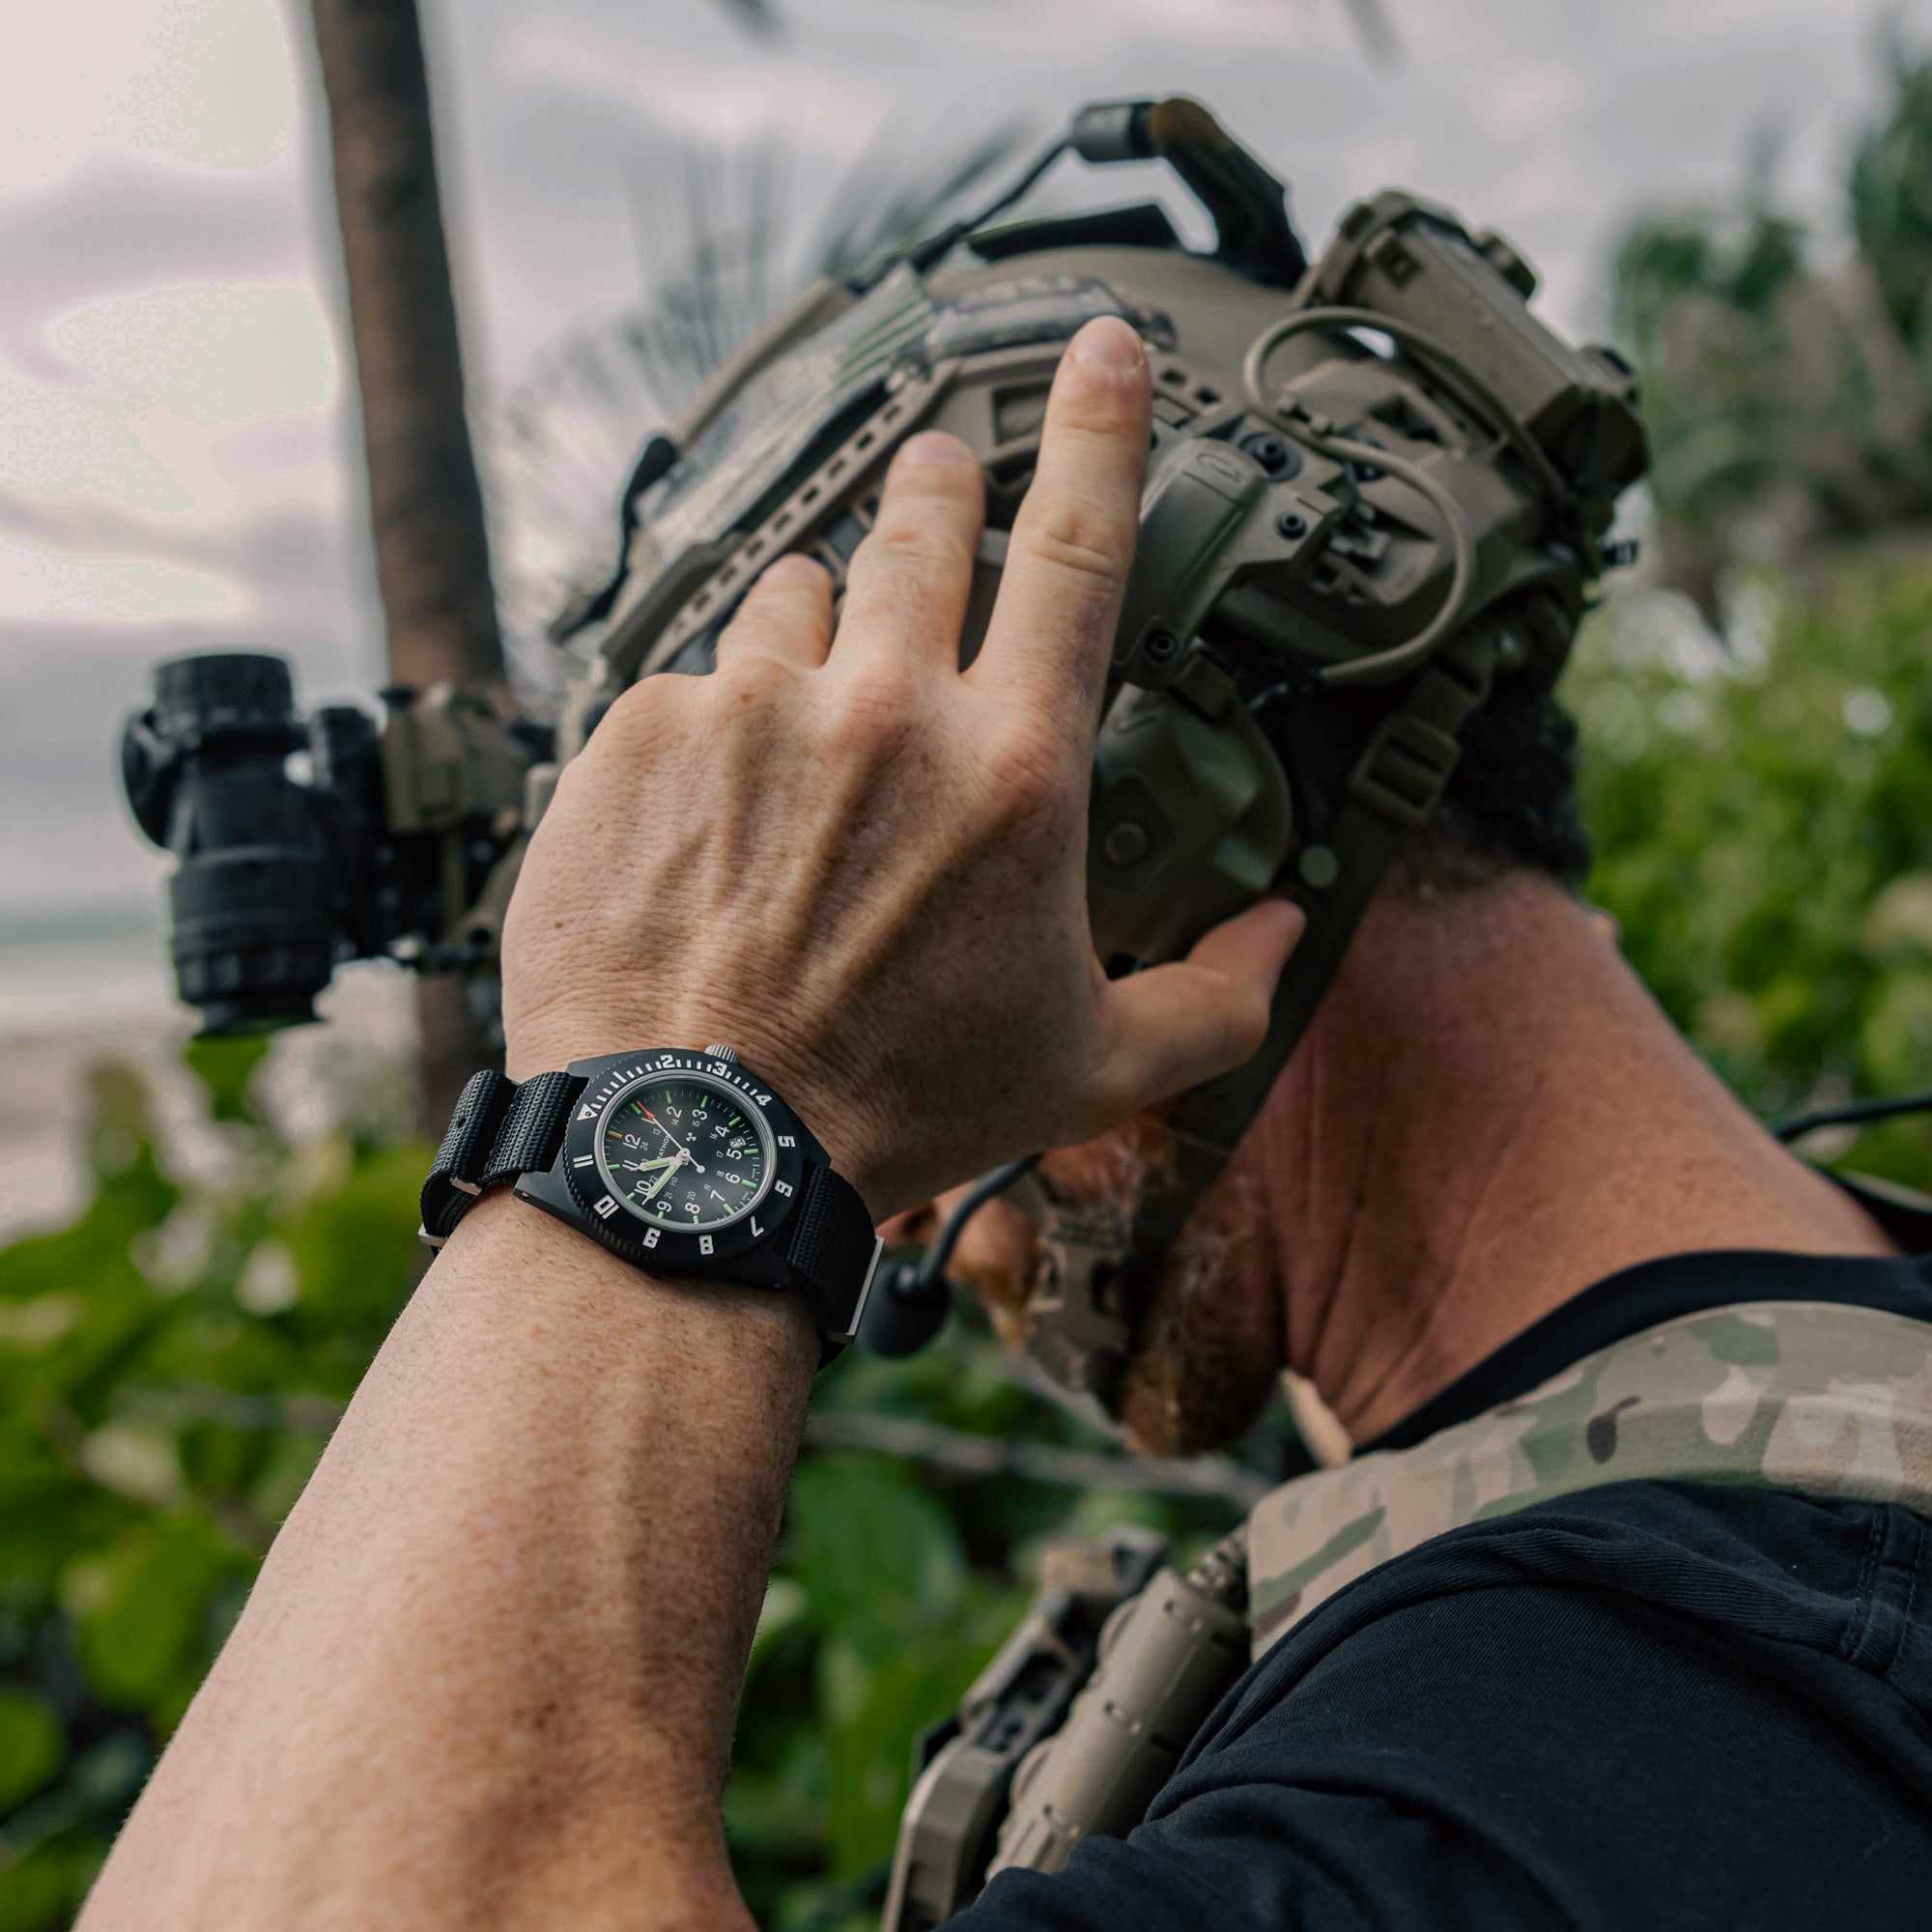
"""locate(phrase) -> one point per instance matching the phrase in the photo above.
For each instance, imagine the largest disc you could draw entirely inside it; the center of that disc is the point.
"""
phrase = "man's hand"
(865, 868)
(488, 1673)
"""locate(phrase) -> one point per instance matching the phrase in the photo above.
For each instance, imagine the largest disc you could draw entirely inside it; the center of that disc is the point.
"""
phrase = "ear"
(916, 1227)
(995, 1258)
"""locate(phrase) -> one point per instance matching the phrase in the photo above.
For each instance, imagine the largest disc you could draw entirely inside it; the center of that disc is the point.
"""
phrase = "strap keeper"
(1405, 768)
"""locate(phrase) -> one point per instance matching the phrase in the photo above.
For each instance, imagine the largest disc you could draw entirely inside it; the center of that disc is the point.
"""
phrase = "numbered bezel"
(636, 1236)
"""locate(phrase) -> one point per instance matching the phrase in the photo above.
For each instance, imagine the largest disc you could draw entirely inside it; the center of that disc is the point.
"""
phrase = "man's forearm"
(542, 1528)
(488, 1675)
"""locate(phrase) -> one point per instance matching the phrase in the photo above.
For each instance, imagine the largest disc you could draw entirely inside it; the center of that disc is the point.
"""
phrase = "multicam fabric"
(1816, 1397)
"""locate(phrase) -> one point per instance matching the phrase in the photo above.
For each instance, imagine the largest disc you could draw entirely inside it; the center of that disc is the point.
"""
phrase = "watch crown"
(729, 1053)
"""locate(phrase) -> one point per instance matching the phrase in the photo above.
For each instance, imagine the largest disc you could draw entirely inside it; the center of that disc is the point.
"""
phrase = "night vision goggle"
(1378, 488)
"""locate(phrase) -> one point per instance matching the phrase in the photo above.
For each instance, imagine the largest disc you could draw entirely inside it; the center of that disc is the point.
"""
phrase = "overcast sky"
(176, 460)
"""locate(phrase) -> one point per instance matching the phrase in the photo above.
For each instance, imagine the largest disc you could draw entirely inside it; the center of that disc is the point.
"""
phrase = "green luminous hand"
(670, 1167)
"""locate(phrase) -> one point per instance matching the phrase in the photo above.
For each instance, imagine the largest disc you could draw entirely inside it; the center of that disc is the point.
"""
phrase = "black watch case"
(749, 1249)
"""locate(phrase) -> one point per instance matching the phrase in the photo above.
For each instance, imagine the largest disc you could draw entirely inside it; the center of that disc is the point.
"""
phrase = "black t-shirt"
(1657, 1704)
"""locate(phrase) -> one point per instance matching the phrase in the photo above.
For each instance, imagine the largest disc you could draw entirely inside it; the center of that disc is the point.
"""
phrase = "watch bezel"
(648, 1243)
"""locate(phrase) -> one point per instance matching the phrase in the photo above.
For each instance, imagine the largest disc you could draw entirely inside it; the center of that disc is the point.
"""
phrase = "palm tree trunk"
(431, 551)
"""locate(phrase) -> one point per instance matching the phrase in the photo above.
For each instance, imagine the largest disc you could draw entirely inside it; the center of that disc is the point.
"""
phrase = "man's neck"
(1490, 1115)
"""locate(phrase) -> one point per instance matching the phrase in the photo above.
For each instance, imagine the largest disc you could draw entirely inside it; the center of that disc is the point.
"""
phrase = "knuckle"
(746, 680)
(638, 716)
(1026, 773)
(758, 619)
(912, 546)
(1078, 540)
(873, 710)
(793, 576)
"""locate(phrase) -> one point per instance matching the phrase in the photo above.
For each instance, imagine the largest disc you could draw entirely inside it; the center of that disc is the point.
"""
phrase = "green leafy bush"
(1762, 819)
(170, 1366)
(1787, 387)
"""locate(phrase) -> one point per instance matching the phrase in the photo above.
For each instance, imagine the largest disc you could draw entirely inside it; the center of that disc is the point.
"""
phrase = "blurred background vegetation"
(1758, 727)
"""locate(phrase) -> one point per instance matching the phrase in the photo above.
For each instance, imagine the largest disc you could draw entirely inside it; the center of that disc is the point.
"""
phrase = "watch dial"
(684, 1151)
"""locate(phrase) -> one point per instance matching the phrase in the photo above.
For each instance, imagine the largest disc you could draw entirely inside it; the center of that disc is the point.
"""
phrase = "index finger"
(1052, 632)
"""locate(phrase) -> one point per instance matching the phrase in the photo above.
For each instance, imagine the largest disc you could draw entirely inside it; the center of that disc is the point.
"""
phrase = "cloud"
(206, 84)
(120, 226)
(821, 105)
(297, 570)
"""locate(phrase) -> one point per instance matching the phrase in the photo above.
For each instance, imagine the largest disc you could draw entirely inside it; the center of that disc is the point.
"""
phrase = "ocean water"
(76, 991)
(66, 975)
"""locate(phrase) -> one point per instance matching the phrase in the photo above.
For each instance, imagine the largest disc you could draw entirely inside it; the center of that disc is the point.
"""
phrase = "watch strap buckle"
(498, 1130)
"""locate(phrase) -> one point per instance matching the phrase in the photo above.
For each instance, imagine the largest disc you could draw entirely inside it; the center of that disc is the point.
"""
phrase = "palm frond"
(886, 200)
(714, 239)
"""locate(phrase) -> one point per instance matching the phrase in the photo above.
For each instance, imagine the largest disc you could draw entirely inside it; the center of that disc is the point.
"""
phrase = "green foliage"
(1890, 197)
(170, 1365)
(1788, 398)
(1763, 822)
(889, 1595)
(171, 1362)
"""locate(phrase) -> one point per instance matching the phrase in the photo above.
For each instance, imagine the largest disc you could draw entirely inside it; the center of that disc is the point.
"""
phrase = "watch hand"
(657, 1186)
(684, 1152)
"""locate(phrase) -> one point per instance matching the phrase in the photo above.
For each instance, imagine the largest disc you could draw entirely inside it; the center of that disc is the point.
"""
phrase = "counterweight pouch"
(1166, 1659)
(1044, 1767)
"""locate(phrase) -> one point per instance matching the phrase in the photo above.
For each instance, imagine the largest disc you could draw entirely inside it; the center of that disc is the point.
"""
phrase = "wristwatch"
(683, 1163)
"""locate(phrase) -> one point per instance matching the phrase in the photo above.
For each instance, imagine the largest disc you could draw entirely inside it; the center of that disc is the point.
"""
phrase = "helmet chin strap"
(1096, 1268)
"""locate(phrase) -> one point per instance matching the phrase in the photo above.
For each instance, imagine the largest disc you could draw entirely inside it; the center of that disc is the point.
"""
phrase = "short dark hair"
(1512, 801)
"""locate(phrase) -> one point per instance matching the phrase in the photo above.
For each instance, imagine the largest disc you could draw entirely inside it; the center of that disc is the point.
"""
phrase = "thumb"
(1176, 1026)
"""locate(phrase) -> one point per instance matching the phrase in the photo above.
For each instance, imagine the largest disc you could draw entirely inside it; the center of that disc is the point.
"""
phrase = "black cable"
(923, 255)
(910, 1300)
(1857, 1113)
(932, 1264)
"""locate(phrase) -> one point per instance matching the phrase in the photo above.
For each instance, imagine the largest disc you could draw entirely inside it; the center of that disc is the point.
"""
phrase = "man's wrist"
(566, 1271)
(846, 1132)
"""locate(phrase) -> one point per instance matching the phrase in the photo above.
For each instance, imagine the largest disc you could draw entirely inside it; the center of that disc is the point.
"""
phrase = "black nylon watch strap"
(532, 1130)
(832, 1249)
(497, 1131)
(454, 1174)
(501, 1132)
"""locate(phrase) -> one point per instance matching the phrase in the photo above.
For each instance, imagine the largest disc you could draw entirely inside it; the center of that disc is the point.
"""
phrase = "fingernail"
(1108, 343)
(792, 565)
(934, 446)
(1289, 921)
